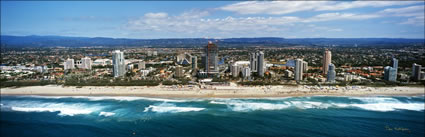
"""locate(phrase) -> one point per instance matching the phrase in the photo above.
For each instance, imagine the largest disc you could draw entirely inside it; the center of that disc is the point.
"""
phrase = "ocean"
(113, 116)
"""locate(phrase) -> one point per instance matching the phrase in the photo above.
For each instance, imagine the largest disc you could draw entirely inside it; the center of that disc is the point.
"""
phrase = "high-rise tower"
(260, 68)
(119, 63)
(194, 63)
(299, 69)
(390, 74)
(256, 60)
(416, 72)
(327, 59)
(253, 59)
(211, 58)
(331, 73)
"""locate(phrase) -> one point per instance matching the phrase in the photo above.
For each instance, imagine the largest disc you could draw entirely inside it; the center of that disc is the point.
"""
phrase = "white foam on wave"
(119, 98)
(170, 108)
(379, 106)
(310, 104)
(168, 100)
(382, 104)
(375, 99)
(106, 114)
(98, 98)
(386, 104)
(217, 102)
(391, 106)
(244, 106)
(257, 106)
(64, 109)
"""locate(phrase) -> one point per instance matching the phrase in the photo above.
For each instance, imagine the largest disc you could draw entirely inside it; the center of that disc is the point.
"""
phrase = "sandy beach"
(232, 91)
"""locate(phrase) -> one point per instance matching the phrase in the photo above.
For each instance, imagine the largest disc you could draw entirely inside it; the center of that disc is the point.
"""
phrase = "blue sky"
(215, 19)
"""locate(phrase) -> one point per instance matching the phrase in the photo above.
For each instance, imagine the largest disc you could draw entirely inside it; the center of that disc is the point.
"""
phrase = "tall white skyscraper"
(390, 72)
(86, 63)
(257, 62)
(260, 68)
(68, 64)
(327, 59)
(299, 69)
(119, 63)
(395, 66)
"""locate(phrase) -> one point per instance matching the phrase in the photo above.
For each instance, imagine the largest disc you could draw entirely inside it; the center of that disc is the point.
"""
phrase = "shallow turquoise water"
(218, 117)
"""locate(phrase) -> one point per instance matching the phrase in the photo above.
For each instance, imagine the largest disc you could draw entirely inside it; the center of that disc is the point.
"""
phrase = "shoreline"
(217, 96)
(217, 92)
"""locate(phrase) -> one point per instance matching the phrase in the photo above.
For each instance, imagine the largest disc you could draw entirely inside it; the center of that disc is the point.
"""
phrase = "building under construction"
(211, 58)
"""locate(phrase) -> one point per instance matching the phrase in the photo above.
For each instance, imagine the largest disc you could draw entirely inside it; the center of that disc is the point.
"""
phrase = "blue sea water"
(103, 116)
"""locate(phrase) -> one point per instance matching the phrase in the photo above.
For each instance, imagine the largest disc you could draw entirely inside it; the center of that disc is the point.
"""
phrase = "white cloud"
(195, 23)
(405, 11)
(361, 4)
(339, 16)
(419, 21)
(285, 7)
(198, 23)
(191, 22)
(156, 15)
(272, 7)
(415, 14)
(315, 28)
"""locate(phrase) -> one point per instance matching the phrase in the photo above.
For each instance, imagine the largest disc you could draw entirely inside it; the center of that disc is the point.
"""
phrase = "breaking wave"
(382, 104)
(106, 114)
(250, 106)
(391, 106)
(107, 109)
(63, 109)
(170, 108)
(385, 104)
(309, 104)
(375, 99)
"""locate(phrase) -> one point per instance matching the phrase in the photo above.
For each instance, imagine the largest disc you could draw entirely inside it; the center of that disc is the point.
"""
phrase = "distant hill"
(61, 41)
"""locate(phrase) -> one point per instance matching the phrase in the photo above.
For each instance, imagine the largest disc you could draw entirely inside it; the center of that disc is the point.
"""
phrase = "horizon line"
(216, 38)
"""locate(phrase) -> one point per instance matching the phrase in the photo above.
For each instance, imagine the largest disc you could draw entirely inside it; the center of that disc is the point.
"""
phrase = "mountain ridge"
(65, 41)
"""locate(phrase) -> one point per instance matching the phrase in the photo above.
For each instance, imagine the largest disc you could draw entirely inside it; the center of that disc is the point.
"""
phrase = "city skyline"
(299, 19)
(212, 68)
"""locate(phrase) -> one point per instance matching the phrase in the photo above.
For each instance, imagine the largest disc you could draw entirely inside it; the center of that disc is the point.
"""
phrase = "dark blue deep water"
(40, 116)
